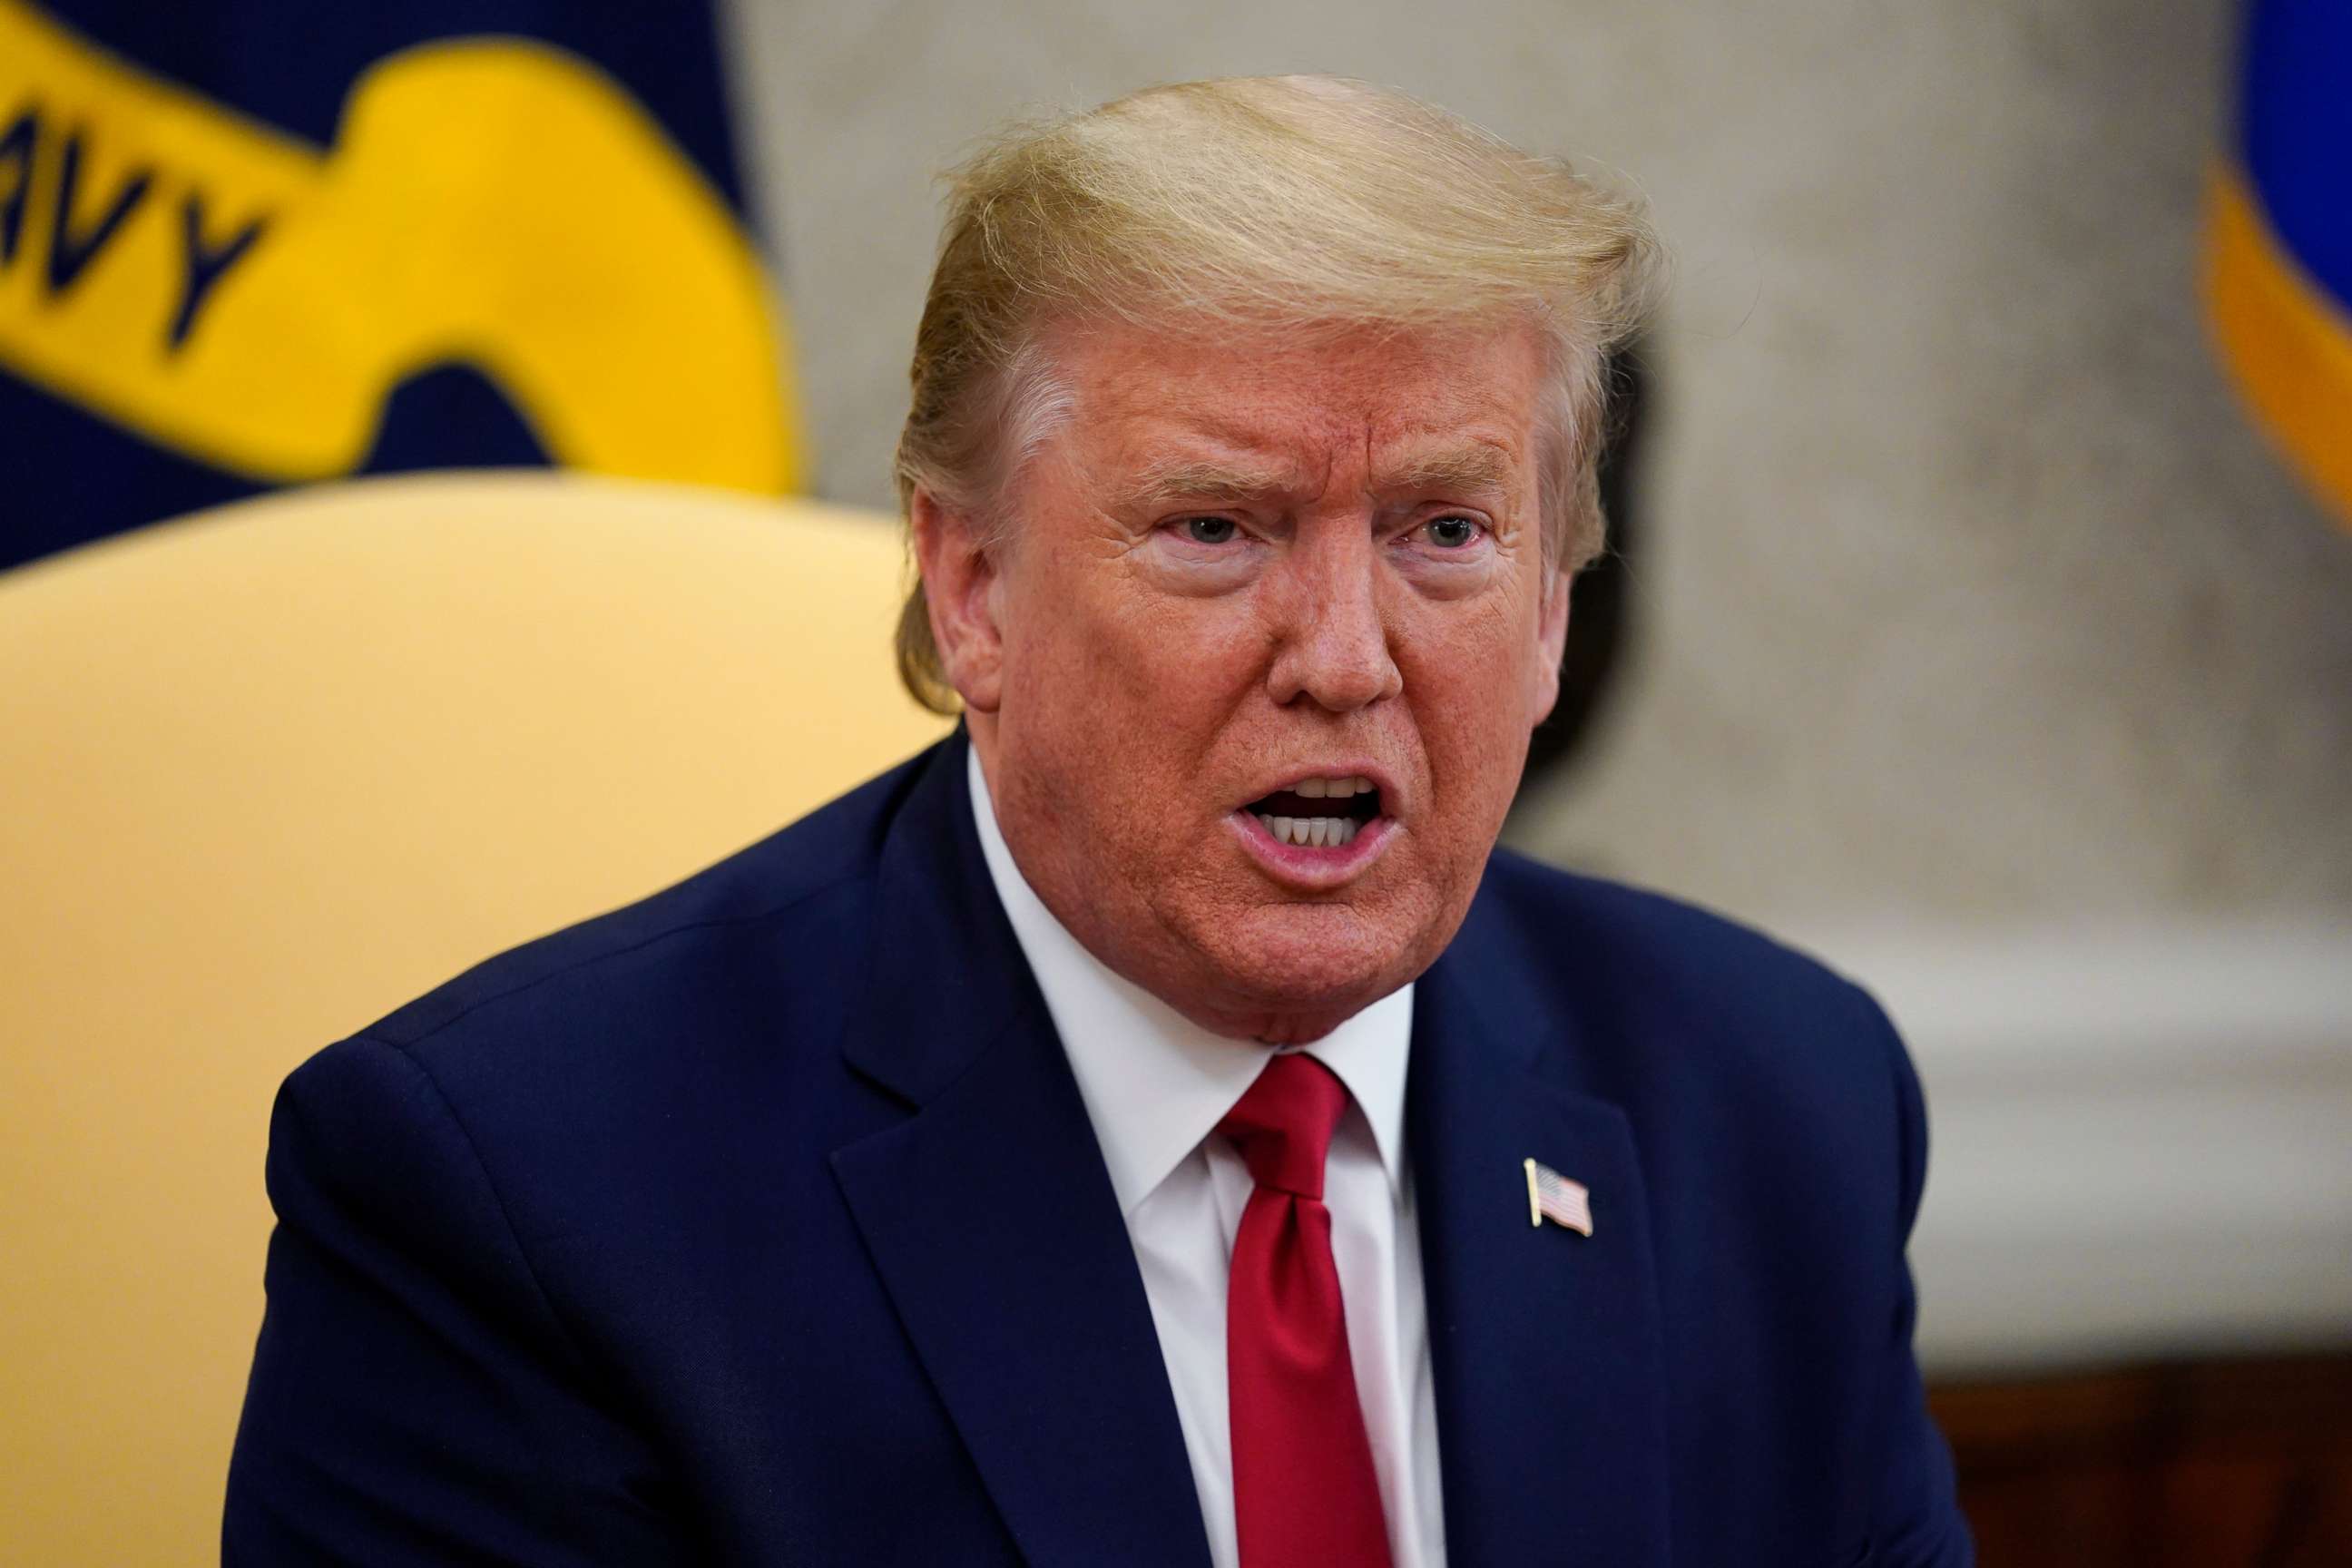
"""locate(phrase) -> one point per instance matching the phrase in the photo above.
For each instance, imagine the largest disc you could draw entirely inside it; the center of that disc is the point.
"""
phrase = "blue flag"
(2278, 275)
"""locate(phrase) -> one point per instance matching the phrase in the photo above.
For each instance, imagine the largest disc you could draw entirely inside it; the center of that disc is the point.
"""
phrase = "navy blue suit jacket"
(762, 1222)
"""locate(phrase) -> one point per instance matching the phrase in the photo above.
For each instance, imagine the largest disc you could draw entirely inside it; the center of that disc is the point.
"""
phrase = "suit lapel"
(991, 1220)
(1544, 1345)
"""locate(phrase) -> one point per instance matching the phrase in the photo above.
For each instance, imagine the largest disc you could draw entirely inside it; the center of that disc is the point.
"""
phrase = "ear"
(1551, 641)
(960, 580)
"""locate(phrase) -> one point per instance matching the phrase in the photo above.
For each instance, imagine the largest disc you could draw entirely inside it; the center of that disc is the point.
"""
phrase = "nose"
(1333, 644)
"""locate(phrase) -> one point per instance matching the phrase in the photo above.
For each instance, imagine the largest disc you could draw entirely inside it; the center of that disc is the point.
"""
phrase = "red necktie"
(1304, 1487)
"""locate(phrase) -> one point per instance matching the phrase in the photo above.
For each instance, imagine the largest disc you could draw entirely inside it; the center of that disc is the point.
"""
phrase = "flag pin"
(1552, 1196)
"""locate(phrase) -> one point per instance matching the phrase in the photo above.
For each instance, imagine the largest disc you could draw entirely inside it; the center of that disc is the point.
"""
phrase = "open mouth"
(1318, 814)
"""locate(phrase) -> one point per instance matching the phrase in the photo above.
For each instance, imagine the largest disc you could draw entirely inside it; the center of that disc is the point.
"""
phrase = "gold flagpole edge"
(1535, 1209)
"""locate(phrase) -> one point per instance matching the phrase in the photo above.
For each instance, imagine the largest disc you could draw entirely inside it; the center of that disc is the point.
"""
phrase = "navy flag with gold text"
(255, 243)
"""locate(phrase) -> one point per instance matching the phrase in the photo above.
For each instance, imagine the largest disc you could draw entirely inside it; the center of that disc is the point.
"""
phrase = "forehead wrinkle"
(1200, 455)
(1211, 420)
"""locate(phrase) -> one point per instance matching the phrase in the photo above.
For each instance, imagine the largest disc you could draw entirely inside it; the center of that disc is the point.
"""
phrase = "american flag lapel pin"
(1552, 1196)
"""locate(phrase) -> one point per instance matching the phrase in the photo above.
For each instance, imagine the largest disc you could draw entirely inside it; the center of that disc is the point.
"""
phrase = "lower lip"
(1311, 868)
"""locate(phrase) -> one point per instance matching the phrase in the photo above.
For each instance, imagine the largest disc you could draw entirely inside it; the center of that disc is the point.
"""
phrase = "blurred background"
(1982, 621)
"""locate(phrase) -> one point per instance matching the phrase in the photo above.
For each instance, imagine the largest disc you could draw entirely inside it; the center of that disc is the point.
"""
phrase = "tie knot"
(1283, 1124)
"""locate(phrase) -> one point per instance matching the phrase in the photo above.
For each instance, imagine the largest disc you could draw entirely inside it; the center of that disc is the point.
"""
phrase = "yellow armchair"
(268, 772)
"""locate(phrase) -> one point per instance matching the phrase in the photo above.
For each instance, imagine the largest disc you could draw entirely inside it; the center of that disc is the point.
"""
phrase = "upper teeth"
(1337, 789)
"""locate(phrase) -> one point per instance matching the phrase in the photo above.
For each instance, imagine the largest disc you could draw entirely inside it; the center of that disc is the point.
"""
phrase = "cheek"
(1115, 696)
(1103, 635)
(1472, 681)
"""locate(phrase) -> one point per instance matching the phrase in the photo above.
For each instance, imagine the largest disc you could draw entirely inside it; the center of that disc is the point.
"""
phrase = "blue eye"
(1452, 532)
(1209, 529)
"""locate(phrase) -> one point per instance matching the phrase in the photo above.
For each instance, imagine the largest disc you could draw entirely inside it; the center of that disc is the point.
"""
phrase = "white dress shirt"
(1156, 1084)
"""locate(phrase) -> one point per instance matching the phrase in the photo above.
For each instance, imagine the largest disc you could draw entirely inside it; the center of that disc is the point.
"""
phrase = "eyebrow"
(1194, 480)
(1458, 470)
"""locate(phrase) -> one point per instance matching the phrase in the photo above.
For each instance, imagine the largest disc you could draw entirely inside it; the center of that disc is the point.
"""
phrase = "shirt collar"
(1154, 1082)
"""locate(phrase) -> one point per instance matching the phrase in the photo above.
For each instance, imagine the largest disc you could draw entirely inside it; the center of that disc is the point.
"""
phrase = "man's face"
(1242, 577)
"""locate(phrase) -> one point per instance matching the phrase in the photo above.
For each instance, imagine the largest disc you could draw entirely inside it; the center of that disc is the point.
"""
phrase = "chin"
(1297, 959)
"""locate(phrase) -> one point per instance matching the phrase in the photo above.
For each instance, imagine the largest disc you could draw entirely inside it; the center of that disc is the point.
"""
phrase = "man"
(1155, 1126)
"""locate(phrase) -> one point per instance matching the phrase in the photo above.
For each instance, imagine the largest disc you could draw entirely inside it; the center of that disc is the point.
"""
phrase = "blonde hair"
(1256, 202)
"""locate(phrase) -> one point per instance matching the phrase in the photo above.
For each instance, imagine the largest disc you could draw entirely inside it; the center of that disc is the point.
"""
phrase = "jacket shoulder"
(583, 1074)
(1657, 950)
(1721, 1041)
